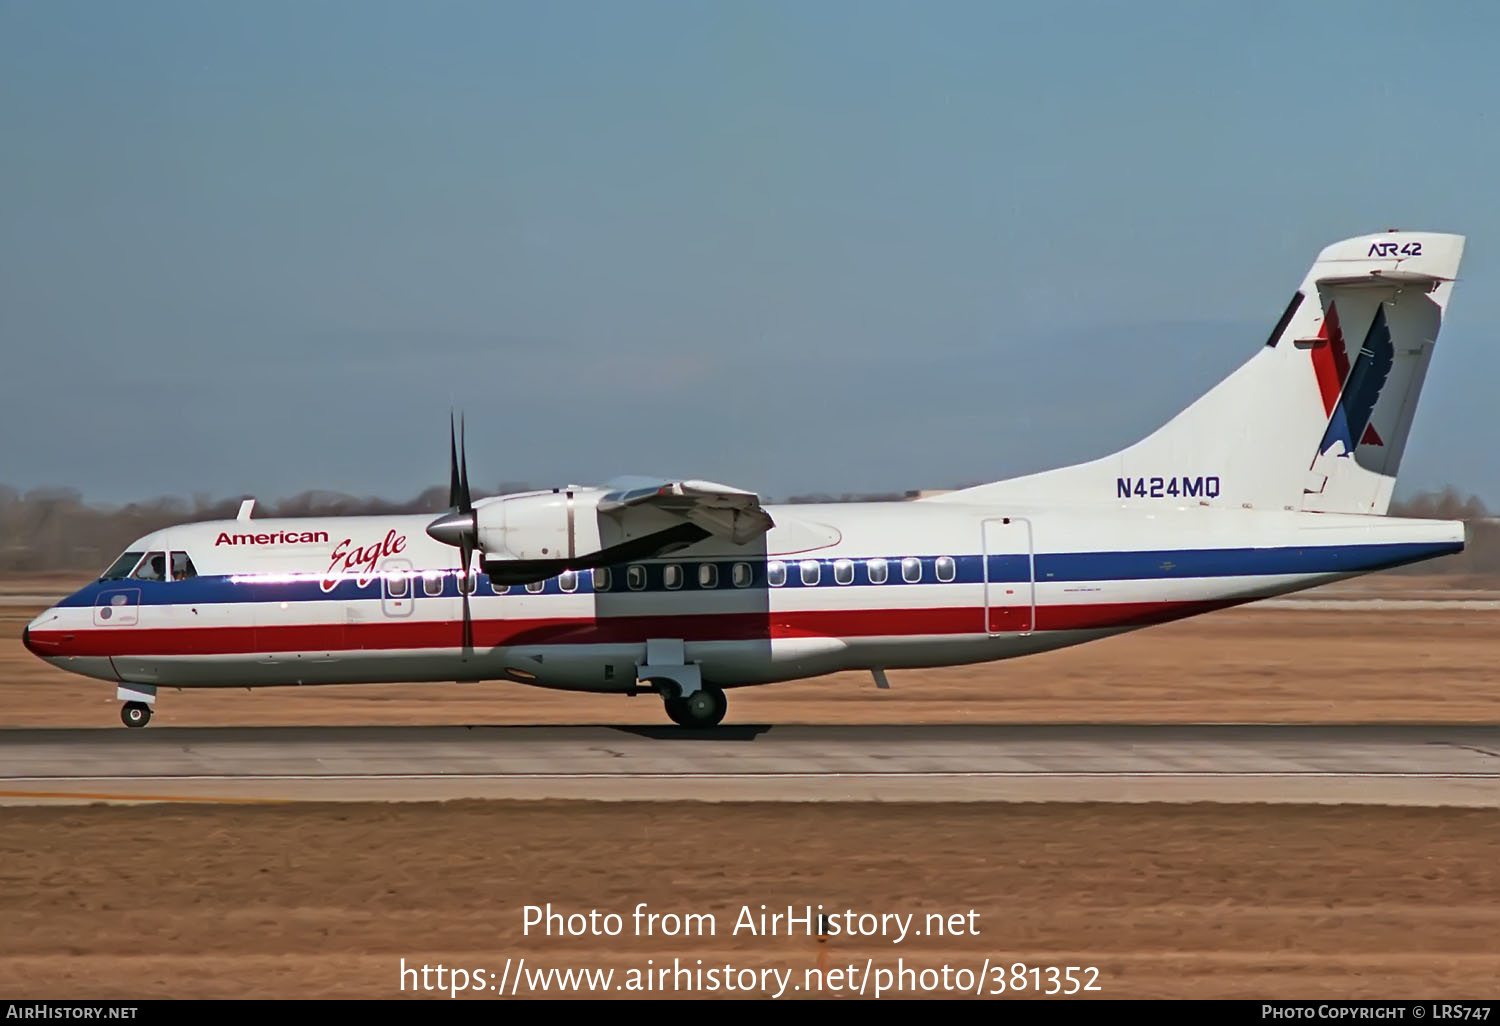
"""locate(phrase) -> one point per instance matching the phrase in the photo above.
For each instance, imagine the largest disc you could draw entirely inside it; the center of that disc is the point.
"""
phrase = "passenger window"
(775, 573)
(432, 582)
(395, 584)
(843, 571)
(708, 575)
(671, 576)
(536, 587)
(876, 570)
(152, 568)
(182, 567)
(911, 569)
(468, 583)
(568, 580)
(742, 575)
(499, 589)
(946, 570)
(810, 572)
(601, 579)
(635, 578)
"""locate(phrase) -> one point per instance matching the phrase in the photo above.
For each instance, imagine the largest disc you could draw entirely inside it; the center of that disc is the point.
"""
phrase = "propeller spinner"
(458, 527)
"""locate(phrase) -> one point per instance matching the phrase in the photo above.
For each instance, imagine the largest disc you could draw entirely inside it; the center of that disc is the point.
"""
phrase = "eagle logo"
(1351, 393)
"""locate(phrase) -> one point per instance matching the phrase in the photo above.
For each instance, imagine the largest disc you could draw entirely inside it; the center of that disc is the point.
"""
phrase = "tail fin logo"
(1350, 394)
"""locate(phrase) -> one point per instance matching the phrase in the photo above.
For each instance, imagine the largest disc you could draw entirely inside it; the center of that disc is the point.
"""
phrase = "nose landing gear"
(135, 714)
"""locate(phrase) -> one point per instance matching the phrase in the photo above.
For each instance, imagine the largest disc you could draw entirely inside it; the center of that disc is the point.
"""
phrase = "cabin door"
(397, 587)
(1009, 576)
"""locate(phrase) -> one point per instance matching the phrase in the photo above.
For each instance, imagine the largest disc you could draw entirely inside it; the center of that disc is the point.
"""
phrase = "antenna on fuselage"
(245, 508)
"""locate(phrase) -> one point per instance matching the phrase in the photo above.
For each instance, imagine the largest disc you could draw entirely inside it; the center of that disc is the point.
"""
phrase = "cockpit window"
(120, 568)
(152, 568)
(182, 567)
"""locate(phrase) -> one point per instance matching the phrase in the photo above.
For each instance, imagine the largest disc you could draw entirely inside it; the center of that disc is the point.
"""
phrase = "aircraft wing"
(730, 513)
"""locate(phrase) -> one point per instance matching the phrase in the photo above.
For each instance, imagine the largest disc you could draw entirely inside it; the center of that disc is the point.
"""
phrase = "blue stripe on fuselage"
(1057, 567)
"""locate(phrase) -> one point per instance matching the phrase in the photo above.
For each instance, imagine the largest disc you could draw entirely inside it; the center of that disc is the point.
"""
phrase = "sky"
(807, 246)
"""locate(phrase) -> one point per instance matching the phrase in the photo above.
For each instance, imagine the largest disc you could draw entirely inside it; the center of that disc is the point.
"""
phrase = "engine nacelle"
(560, 524)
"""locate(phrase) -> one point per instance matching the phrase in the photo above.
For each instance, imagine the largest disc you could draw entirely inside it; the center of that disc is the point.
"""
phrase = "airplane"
(1278, 479)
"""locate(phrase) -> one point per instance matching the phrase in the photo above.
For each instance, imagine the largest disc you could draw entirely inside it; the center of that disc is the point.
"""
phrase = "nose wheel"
(135, 714)
(703, 708)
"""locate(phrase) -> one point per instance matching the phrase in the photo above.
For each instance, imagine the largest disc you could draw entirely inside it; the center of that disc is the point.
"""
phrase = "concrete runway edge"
(1356, 764)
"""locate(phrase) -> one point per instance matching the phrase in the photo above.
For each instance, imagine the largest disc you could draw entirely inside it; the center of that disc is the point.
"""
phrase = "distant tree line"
(55, 530)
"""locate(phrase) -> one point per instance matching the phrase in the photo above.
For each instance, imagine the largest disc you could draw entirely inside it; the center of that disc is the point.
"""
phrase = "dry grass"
(1201, 901)
(323, 901)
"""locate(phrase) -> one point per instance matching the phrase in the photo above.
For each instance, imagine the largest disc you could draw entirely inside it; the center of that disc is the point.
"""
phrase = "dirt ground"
(1246, 666)
(1165, 901)
(325, 901)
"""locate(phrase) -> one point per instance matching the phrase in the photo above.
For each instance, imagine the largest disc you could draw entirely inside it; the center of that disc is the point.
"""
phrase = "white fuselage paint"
(320, 601)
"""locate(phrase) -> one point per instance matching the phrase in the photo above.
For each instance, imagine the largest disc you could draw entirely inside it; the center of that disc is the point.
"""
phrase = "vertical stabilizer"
(1316, 420)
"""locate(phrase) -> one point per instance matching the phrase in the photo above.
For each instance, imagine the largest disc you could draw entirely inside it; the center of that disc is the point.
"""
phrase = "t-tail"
(1316, 420)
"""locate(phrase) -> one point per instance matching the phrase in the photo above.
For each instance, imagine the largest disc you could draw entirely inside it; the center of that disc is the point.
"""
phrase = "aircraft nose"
(45, 646)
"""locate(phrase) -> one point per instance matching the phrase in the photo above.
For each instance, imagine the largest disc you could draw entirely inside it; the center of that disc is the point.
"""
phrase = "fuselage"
(831, 587)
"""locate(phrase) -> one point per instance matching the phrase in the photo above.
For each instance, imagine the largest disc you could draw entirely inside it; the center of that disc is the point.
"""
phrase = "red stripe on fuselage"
(381, 635)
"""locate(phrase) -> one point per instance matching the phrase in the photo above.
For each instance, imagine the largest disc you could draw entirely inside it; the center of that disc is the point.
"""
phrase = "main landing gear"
(703, 708)
(135, 714)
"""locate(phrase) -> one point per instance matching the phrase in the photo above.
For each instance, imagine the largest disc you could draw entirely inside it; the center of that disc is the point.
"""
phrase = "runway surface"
(1386, 765)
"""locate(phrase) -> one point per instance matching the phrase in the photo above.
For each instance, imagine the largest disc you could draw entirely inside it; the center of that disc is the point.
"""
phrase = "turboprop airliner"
(1278, 479)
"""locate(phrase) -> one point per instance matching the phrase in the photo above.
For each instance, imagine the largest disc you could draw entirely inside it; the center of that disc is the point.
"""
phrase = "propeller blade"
(464, 503)
(463, 590)
(452, 464)
(459, 524)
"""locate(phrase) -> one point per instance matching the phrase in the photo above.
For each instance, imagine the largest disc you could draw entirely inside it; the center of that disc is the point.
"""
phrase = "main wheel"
(703, 708)
(135, 714)
(676, 711)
